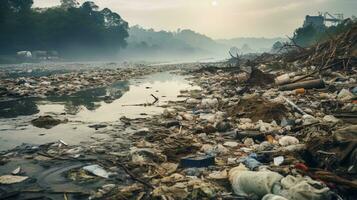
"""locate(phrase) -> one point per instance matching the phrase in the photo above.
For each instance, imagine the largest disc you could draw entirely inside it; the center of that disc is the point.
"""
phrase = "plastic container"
(283, 79)
(300, 91)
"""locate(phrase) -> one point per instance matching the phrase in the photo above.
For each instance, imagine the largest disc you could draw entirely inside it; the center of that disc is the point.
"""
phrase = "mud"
(46, 122)
(259, 78)
(258, 109)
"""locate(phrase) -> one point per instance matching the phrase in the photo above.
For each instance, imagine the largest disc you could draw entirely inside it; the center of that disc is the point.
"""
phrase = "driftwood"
(134, 177)
(333, 178)
(311, 84)
(338, 52)
(156, 99)
(308, 75)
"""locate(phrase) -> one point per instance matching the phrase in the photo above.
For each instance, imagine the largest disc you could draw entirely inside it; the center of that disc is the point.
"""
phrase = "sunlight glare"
(214, 3)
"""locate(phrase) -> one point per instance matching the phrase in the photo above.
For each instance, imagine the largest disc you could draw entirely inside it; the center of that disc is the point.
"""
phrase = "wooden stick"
(134, 177)
(156, 99)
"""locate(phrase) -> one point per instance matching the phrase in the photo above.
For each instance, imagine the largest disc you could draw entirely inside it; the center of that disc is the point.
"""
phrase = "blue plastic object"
(251, 161)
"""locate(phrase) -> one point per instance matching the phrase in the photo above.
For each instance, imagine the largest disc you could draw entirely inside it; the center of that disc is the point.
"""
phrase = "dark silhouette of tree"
(70, 29)
(66, 4)
(305, 36)
(277, 46)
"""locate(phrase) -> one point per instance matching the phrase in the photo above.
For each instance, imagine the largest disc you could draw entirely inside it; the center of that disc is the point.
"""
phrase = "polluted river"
(94, 116)
(88, 111)
(224, 130)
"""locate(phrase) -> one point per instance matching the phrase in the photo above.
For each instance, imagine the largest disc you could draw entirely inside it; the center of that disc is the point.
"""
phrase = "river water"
(104, 105)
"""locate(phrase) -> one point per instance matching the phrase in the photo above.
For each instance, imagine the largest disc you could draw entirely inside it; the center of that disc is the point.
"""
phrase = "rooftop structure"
(321, 20)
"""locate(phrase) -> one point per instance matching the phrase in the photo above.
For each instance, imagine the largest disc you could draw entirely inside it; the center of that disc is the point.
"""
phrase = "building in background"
(322, 20)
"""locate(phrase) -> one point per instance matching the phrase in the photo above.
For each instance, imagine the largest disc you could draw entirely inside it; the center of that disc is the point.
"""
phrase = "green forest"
(71, 29)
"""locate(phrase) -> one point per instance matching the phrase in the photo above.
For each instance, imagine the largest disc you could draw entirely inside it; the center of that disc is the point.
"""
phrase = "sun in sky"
(214, 3)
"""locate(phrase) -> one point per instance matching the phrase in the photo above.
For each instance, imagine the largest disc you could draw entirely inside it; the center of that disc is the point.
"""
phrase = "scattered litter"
(10, 179)
(97, 170)
(330, 119)
(345, 95)
(253, 183)
(16, 171)
(230, 144)
(197, 161)
(278, 160)
(209, 103)
(219, 175)
(288, 140)
(251, 161)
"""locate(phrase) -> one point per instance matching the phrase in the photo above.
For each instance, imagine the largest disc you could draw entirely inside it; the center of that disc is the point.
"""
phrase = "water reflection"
(15, 108)
(90, 99)
(94, 106)
(73, 104)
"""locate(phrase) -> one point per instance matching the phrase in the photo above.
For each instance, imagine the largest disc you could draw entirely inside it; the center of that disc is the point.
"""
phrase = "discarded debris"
(278, 160)
(10, 179)
(197, 161)
(306, 85)
(46, 122)
(252, 183)
(16, 171)
(97, 170)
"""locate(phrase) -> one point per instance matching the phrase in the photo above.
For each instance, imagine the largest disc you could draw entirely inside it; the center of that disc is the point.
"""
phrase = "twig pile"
(339, 53)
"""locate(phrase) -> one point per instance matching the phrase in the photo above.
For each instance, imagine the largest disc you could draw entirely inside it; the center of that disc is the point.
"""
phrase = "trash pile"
(250, 132)
(288, 136)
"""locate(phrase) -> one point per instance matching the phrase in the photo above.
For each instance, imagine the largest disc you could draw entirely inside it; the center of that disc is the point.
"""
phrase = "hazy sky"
(222, 18)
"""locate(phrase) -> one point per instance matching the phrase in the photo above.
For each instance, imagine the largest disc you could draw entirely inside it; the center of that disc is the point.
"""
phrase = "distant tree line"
(310, 35)
(184, 39)
(71, 29)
